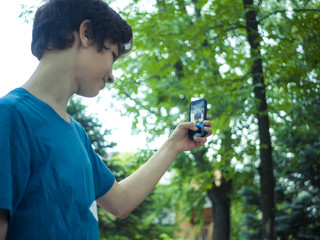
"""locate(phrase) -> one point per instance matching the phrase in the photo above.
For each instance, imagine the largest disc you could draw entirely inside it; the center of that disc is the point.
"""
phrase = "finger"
(188, 125)
(207, 123)
(208, 129)
(208, 134)
(201, 140)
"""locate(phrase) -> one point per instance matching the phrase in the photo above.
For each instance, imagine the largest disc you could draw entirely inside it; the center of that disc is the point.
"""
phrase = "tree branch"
(284, 10)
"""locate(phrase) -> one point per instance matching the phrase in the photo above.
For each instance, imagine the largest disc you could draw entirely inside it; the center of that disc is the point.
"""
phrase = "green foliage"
(297, 170)
(299, 218)
(186, 49)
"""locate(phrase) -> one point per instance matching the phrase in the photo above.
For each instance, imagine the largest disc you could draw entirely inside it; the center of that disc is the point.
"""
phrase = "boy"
(199, 122)
(50, 177)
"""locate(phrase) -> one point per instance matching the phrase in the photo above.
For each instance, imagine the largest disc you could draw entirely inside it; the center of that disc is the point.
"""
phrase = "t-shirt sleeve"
(102, 176)
(14, 158)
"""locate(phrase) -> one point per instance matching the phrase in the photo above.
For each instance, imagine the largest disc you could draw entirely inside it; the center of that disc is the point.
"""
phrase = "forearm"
(123, 197)
(126, 195)
(139, 185)
(4, 214)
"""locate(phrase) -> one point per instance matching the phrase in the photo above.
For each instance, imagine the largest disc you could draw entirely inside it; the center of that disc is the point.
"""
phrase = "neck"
(53, 81)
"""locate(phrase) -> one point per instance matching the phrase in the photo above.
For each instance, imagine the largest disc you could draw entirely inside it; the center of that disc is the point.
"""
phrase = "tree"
(265, 148)
(297, 192)
(178, 70)
(201, 48)
(298, 171)
(294, 106)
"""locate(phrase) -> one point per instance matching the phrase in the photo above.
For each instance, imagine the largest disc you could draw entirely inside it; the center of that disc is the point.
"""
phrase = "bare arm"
(4, 217)
(126, 195)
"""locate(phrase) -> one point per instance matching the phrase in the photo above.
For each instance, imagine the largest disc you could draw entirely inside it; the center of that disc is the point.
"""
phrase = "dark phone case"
(198, 133)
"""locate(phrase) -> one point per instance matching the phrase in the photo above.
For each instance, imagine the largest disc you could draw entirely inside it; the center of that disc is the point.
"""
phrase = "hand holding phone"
(197, 114)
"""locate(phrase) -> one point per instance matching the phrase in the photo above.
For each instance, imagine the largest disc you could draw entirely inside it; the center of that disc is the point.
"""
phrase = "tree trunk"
(266, 165)
(220, 198)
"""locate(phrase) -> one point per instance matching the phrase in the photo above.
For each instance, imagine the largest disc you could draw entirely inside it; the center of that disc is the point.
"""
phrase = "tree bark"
(220, 198)
(266, 164)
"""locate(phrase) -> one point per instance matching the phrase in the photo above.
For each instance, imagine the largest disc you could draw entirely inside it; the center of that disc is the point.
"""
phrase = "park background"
(257, 64)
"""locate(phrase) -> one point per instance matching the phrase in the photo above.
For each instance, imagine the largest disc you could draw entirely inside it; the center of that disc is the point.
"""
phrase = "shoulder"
(13, 101)
(12, 120)
(13, 96)
(18, 109)
(9, 105)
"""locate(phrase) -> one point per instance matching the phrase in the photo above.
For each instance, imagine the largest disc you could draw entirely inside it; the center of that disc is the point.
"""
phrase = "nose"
(110, 78)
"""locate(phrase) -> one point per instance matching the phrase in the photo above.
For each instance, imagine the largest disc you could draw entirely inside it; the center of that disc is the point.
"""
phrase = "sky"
(17, 64)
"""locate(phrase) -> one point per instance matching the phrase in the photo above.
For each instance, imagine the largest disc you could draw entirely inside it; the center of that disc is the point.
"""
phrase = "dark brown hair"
(56, 20)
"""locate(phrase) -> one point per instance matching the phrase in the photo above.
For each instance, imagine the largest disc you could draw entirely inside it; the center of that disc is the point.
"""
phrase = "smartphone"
(197, 114)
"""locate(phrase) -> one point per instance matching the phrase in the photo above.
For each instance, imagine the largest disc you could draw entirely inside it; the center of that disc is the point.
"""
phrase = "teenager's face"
(95, 68)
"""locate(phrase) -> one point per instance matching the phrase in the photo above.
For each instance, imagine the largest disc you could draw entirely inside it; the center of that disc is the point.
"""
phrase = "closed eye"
(114, 55)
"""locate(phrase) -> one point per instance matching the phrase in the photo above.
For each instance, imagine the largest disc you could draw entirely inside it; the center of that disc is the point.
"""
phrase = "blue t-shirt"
(200, 127)
(50, 176)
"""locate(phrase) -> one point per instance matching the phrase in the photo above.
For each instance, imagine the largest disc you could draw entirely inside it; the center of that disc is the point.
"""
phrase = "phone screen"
(197, 114)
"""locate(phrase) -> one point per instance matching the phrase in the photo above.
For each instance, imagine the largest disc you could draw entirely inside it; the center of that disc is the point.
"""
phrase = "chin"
(88, 94)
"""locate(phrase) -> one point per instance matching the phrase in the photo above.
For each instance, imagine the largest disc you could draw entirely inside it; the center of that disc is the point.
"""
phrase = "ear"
(85, 32)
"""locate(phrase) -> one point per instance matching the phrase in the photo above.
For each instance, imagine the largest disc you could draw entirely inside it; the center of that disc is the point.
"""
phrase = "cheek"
(95, 70)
